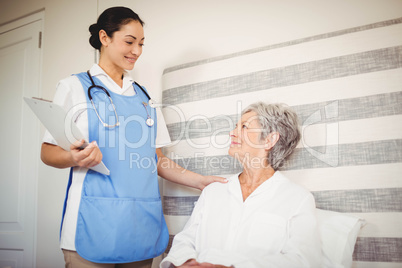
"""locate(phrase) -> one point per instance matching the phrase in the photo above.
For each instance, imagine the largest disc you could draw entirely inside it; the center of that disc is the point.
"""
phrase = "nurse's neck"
(116, 74)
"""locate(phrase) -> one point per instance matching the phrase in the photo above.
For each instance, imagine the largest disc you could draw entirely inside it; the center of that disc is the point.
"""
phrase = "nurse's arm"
(55, 156)
(173, 172)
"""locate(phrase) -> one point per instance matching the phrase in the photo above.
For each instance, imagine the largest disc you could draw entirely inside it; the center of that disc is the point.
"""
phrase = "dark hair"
(111, 21)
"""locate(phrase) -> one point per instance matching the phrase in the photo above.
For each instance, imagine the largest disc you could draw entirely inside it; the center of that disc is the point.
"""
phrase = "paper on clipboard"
(60, 126)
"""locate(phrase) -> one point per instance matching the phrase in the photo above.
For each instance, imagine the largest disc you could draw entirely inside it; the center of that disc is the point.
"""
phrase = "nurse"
(114, 220)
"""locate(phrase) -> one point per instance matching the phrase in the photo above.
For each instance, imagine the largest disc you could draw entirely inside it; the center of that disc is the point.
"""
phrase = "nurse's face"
(125, 47)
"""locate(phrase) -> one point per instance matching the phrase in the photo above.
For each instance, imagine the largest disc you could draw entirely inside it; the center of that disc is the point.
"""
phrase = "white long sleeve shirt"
(274, 227)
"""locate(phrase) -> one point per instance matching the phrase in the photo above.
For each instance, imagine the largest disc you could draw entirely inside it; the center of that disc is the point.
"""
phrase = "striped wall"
(346, 87)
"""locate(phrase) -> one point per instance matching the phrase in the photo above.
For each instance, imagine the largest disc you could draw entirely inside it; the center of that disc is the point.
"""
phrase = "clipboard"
(60, 125)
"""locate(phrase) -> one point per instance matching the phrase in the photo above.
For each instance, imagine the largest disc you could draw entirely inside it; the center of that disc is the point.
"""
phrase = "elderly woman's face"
(245, 138)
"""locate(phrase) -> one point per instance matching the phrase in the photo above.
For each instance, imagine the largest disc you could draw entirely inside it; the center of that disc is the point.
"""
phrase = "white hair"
(279, 118)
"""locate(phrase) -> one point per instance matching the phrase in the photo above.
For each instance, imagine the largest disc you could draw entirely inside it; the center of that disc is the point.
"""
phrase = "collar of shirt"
(268, 185)
(128, 81)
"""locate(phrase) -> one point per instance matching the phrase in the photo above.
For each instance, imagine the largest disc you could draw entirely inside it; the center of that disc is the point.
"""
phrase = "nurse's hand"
(204, 264)
(88, 157)
(194, 264)
(171, 171)
(206, 180)
(190, 263)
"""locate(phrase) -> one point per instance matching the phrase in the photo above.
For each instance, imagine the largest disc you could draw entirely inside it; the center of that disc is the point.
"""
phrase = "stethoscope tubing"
(105, 90)
(149, 120)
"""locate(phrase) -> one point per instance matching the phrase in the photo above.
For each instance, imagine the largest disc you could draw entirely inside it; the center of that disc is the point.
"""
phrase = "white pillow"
(338, 233)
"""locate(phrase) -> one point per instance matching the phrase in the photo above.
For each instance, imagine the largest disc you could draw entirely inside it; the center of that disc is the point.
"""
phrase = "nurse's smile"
(131, 59)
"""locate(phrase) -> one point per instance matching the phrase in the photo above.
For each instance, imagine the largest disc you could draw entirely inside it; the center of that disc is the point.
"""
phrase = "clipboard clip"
(35, 98)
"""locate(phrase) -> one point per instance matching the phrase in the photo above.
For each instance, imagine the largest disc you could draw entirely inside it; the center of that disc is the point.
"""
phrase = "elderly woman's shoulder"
(292, 186)
(218, 186)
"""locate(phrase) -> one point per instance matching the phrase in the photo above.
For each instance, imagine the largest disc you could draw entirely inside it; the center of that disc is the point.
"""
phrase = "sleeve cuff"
(170, 262)
(48, 138)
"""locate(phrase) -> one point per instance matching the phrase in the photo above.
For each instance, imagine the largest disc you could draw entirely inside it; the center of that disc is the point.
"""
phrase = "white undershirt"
(71, 96)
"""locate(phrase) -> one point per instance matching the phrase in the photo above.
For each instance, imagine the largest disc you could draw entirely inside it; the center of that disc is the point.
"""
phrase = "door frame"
(4, 28)
(20, 22)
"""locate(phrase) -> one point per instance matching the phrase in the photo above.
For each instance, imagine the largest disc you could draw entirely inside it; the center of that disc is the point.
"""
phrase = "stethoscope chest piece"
(150, 122)
(152, 103)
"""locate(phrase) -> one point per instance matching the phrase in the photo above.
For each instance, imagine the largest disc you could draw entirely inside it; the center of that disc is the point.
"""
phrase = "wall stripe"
(354, 131)
(365, 264)
(384, 224)
(366, 153)
(347, 201)
(351, 131)
(175, 223)
(324, 179)
(360, 63)
(369, 177)
(286, 44)
(347, 109)
(179, 205)
(378, 224)
(375, 83)
(360, 201)
(174, 189)
(287, 56)
(356, 108)
(376, 249)
(171, 237)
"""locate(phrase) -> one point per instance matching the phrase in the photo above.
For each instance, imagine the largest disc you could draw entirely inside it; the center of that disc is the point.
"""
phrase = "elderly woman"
(259, 218)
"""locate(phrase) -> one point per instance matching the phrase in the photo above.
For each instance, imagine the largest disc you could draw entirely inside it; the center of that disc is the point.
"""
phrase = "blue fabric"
(70, 180)
(120, 217)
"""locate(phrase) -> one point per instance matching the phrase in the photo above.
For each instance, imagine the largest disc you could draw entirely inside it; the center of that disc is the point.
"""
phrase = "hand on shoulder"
(211, 179)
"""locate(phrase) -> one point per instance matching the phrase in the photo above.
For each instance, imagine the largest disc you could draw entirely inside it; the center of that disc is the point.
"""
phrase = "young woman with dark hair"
(114, 220)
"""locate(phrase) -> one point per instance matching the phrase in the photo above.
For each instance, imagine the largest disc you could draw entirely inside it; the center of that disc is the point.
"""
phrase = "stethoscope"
(150, 122)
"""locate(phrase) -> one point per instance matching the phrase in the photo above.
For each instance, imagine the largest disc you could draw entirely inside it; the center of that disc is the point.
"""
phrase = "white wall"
(180, 31)
(177, 31)
(65, 51)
